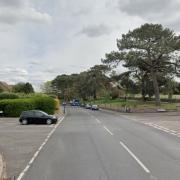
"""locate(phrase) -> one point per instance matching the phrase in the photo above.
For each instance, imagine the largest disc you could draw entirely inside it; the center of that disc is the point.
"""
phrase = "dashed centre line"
(98, 121)
(108, 130)
(126, 148)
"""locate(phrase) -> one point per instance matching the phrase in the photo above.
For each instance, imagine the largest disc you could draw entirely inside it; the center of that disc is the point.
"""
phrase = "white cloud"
(35, 63)
(14, 75)
(95, 30)
(16, 11)
(12, 3)
(35, 50)
(159, 11)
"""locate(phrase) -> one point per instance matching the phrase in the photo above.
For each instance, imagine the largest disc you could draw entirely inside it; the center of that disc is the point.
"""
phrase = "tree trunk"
(170, 90)
(170, 95)
(156, 87)
(94, 95)
(143, 91)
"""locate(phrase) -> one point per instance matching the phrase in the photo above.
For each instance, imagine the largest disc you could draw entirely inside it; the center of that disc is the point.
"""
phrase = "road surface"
(98, 145)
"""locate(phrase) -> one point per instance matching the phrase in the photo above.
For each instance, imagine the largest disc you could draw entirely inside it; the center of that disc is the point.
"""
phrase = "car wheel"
(24, 122)
(48, 121)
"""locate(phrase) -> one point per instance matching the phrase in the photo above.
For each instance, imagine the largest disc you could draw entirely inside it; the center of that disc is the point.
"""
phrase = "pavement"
(18, 143)
(100, 145)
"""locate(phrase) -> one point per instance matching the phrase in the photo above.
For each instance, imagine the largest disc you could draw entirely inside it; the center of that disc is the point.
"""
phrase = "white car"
(95, 107)
(88, 106)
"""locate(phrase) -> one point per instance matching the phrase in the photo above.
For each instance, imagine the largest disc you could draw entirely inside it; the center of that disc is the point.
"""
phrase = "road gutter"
(2, 168)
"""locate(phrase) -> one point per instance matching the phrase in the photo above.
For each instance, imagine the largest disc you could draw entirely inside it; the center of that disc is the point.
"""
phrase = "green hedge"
(13, 108)
(8, 96)
(46, 104)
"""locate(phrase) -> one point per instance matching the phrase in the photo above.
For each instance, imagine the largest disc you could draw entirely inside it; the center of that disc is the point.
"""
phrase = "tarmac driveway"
(18, 143)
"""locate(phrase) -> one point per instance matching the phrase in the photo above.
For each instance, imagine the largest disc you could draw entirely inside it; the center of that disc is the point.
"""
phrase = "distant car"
(75, 102)
(88, 106)
(95, 107)
(83, 105)
(36, 117)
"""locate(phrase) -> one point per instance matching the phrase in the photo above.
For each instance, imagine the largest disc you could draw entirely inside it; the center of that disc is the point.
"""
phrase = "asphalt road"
(91, 145)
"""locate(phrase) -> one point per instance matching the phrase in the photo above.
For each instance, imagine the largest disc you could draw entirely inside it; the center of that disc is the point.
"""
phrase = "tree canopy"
(26, 88)
(150, 51)
(84, 85)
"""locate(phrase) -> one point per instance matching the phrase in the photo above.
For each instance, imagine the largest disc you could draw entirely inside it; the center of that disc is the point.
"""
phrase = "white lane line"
(108, 131)
(135, 157)
(98, 121)
(22, 174)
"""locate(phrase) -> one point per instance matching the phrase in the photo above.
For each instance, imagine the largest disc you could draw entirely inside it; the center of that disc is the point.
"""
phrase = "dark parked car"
(36, 117)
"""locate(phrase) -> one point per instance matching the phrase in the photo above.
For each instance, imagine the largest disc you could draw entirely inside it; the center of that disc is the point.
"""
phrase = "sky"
(40, 39)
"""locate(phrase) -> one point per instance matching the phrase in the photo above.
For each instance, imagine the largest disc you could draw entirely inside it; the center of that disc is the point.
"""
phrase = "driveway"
(18, 143)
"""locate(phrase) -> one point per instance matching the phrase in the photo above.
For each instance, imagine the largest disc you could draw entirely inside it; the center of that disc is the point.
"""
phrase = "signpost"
(64, 107)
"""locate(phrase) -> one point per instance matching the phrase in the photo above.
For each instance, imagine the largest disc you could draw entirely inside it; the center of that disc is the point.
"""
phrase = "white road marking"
(39, 150)
(52, 125)
(161, 128)
(98, 121)
(108, 131)
(135, 157)
(172, 132)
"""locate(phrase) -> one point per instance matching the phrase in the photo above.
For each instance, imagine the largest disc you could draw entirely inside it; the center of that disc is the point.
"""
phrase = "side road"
(168, 122)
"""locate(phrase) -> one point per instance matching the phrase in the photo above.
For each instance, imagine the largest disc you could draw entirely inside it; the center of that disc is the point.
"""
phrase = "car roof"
(32, 111)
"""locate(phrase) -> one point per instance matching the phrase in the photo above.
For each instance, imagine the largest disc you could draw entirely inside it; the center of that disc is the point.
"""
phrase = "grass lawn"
(134, 104)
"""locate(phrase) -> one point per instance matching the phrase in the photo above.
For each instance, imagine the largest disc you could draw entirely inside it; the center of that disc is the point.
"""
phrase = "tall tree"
(65, 83)
(98, 78)
(47, 88)
(150, 48)
(23, 88)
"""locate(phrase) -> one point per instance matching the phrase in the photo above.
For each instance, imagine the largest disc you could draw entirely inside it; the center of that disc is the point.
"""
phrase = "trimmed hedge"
(46, 104)
(8, 96)
(13, 108)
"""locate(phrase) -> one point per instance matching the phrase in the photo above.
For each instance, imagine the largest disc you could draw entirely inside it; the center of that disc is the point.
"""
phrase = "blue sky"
(42, 39)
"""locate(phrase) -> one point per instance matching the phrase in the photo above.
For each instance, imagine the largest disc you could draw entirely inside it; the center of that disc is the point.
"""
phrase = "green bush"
(46, 104)
(14, 107)
(8, 96)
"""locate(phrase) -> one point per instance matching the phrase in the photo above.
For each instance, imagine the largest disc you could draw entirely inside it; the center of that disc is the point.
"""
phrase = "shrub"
(8, 96)
(57, 101)
(14, 107)
(46, 104)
